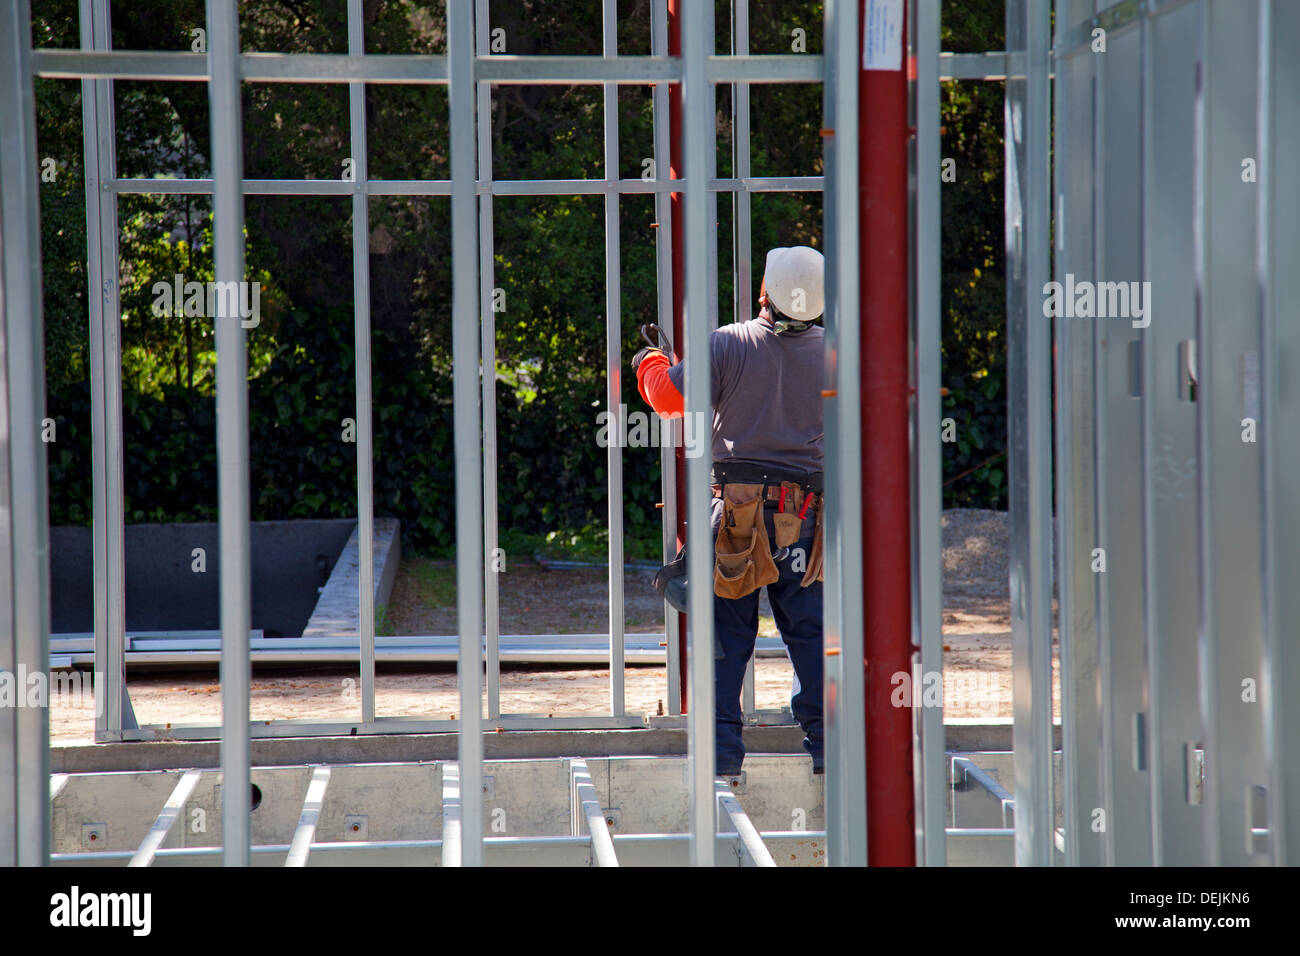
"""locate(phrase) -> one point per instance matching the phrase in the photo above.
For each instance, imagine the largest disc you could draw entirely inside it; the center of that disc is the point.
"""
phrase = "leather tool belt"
(743, 560)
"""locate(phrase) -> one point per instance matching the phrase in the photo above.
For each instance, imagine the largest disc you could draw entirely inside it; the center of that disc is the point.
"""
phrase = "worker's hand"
(641, 356)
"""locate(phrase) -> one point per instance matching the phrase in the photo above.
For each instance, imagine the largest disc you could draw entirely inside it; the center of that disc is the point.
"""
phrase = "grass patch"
(437, 582)
(586, 544)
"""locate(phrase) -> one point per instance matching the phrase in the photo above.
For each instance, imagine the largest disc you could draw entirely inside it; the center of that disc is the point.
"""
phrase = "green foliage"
(974, 283)
(437, 583)
(550, 363)
(975, 463)
(301, 465)
(303, 468)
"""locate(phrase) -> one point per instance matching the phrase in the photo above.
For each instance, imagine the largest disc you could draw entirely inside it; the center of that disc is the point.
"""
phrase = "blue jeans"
(798, 614)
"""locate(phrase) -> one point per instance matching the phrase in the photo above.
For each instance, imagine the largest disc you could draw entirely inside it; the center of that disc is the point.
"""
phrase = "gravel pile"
(975, 543)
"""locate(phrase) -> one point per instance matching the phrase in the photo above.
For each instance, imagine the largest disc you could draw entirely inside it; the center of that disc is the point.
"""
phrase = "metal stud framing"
(361, 332)
(1176, 710)
(699, 148)
(167, 816)
(24, 557)
(100, 136)
(487, 325)
(305, 832)
(1028, 128)
(927, 578)
(846, 783)
(1118, 250)
(103, 187)
(232, 430)
(1228, 370)
(1279, 132)
(1173, 754)
(1168, 438)
(465, 357)
(613, 367)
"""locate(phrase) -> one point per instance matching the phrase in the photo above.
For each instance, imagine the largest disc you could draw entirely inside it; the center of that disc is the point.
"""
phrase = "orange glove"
(655, 386)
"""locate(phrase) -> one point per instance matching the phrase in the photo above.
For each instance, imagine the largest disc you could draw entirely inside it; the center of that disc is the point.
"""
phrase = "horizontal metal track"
(418, 69)
(442, 187)
(382, 725)
(664, 849)
(413, 69)
(966, 847)
(253, 67)
(79, 650)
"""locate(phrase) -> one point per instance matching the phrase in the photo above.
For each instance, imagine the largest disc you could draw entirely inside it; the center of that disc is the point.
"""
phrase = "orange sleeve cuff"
(657, 388)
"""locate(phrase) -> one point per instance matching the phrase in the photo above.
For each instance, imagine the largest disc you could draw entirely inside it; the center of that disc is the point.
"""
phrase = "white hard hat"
(793, 278)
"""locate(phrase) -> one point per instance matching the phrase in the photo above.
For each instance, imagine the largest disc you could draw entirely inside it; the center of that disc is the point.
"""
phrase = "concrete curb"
(337, 612)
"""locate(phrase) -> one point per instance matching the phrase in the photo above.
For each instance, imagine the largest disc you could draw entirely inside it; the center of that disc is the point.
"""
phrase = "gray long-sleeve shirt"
(767, 395)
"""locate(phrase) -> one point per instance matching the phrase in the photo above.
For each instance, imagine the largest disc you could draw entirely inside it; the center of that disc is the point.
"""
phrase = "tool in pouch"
(786, 523)
(670, 582)
(816, 559)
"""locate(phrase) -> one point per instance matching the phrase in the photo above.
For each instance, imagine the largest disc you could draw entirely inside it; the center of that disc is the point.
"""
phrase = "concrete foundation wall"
(291, 561)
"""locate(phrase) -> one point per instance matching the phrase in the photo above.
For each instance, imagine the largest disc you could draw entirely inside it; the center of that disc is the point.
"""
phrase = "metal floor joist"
(182, 650)
(567, 811)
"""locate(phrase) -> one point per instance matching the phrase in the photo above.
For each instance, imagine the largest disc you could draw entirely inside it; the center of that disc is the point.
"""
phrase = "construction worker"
(767, 487)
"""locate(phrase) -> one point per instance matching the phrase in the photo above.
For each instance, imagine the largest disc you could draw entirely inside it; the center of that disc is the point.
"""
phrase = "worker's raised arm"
(662, 384)
(655, 386)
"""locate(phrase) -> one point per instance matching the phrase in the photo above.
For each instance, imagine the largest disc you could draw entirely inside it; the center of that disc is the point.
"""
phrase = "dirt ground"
(976, 627)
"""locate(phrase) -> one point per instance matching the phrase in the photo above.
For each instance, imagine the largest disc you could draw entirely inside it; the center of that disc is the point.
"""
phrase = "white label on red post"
(882, 26)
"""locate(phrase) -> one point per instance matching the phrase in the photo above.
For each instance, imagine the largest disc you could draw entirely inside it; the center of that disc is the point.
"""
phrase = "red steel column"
(886, 530)
(678, 216)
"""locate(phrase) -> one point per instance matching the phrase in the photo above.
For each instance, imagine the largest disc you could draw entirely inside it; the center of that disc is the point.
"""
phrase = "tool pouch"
(743, 560)
(788, 523)
(817, 555)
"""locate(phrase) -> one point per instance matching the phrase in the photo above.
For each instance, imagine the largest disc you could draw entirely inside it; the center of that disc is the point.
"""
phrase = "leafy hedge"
(301, 467)
(974, 268)
(974, 461)
(549, 267)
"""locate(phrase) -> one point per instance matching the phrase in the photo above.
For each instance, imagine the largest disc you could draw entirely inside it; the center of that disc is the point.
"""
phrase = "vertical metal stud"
(232, 427)
(24, 503)
(488, 335)
(742, 258)
(742, 243)
(1227, 394)
(361, 331)
(928, 455)
(1278, 251)
(664, 277)
(699, 141)
(466, 361)
(845, 718)
(104, 301)
(1028, 127)
(1126, 836)
(1169, 438)
(613, 368)
(1075, 485)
